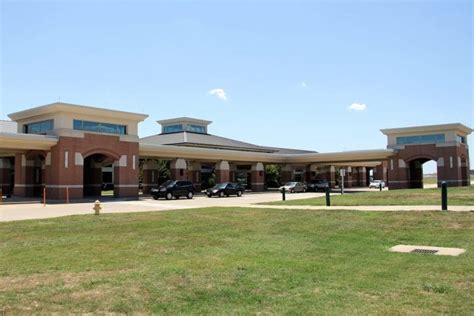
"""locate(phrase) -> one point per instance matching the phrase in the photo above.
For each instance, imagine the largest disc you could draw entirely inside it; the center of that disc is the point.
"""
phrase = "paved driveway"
(22, 211)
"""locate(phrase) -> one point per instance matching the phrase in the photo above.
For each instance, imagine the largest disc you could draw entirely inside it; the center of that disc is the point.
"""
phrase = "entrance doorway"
(98, 175)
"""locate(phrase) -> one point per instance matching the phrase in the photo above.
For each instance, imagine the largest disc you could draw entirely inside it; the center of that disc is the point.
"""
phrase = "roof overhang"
(75, 108)
(428, 128)
(172, 152)
(20, 142)
(184, 120)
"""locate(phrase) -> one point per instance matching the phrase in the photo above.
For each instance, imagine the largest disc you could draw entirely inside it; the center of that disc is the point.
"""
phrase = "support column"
(362, 177)
(258, 177)
(150, 176)
(5, 176)
(24, 176)
(331, 176)
(222, 171)
(348, 178)
(194, 174)
(126, 177)
(286, 174)
(179, 169)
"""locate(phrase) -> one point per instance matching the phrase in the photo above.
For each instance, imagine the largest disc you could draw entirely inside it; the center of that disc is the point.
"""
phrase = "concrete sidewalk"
(25, 211)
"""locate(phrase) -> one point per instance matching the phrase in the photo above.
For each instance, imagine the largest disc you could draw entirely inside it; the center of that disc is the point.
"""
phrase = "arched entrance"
(416, 172)
(98, 174)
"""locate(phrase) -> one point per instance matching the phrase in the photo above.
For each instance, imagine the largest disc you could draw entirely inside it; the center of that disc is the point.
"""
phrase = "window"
(420, 139)
(173, 128)
(98, 127)
(460, 139)
(197, 129)
(38, 127)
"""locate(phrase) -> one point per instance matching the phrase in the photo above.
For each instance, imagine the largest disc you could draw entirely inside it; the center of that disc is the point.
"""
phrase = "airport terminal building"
(63, 149)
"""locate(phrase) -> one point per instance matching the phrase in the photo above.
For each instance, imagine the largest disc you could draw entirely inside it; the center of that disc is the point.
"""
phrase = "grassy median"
(456, 196)
(227, 260)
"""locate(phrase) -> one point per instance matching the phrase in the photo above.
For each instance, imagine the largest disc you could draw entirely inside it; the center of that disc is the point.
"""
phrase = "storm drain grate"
(424, 251)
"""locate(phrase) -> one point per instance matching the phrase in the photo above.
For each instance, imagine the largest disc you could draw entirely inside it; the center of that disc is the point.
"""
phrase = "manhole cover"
(424, 251)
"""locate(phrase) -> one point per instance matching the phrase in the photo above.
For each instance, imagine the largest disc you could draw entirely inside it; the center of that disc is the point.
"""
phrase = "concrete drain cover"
(437, 251)
(424, 251)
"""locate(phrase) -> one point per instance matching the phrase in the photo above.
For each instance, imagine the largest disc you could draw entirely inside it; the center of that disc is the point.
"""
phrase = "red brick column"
(331, 176)
(24, 176)
(222, 172)
(5, 172)
(126, 177)
(179, 169)
(362, 177)
(258, 177)
(348, 178)
(286, 174)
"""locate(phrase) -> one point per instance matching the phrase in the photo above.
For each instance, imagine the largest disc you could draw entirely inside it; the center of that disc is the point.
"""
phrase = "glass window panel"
(421, 139)
(197, 129)
(77, 125)
(98, 127)
(173, 128)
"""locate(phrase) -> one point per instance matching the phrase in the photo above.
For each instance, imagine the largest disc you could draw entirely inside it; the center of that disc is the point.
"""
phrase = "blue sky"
(288, 70)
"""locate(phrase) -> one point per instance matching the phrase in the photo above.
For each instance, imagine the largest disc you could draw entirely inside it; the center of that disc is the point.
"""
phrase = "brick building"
(63, 149)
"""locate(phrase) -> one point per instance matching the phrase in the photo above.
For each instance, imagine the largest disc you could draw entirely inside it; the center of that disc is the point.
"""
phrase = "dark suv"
(174, 188)
(225, 189)
(317, 185)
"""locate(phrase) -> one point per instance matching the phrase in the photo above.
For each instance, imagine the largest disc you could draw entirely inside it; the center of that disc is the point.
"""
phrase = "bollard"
(44, 196)
(328, 196)
(380, 186)
(97, 207)
(283, 196)
(67, 195)
(444, 196)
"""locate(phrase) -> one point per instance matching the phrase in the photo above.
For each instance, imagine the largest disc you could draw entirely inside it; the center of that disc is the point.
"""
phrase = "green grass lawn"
(237, 261)
(456, 196)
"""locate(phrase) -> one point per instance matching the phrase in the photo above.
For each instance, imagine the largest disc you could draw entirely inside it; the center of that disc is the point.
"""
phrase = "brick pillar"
(194, 175)
(286, 174)
(362, 177)
(331, 176)
(24, 176)
(397, 170)
(348, 178)
(222, 171)
(126, 177)
(179, 169)
(355, 177)
(150, 175)
(5, 178)
(258, 177)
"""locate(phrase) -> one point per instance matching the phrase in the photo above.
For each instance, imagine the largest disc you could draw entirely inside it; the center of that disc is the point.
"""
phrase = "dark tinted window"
(38, 127)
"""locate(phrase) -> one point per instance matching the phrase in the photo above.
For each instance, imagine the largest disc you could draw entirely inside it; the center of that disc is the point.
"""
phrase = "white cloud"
(303, 84)
(358, 107)
(220, 93)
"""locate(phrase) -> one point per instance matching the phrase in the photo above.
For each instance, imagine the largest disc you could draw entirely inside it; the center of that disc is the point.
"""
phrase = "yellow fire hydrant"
(97, 207)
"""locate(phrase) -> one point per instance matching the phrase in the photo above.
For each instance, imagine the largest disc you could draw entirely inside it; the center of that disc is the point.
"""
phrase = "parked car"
(174, 188)
(225, 189)
(293, 187)
(317, 185)
(376, 184)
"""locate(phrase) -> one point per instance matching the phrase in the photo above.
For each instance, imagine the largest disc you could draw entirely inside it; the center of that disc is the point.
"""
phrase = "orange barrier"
(67, 195)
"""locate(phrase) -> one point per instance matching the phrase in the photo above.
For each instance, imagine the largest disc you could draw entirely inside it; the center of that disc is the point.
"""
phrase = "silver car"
(293, 187)
(376, 184)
